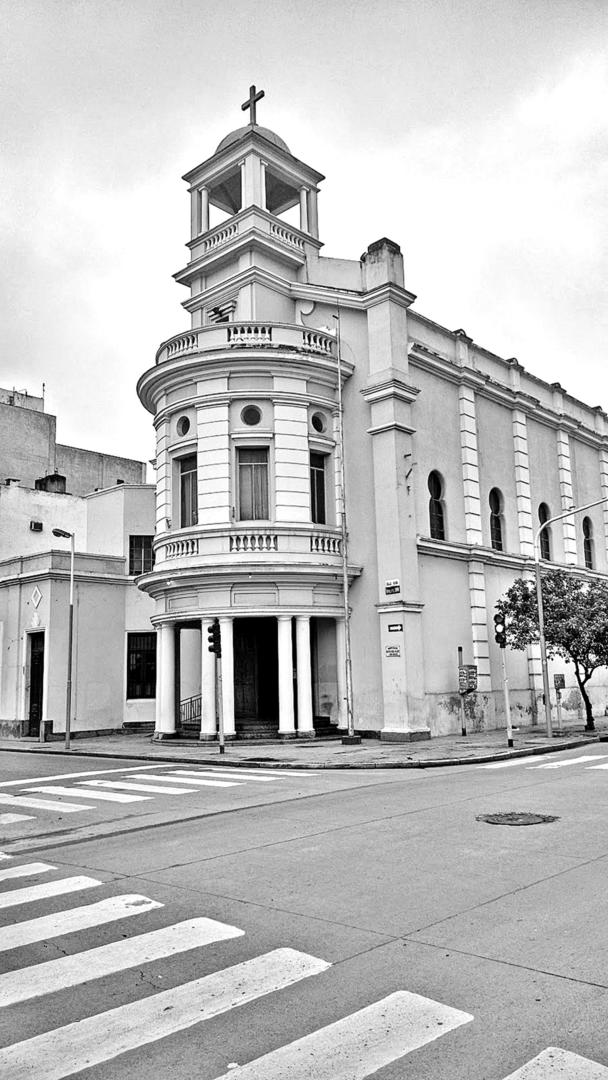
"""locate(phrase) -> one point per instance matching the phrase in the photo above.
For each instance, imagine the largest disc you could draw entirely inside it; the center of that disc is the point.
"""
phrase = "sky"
(472, 133)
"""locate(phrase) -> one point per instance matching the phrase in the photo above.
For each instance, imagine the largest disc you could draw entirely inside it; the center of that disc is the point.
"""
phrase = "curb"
(439, 763)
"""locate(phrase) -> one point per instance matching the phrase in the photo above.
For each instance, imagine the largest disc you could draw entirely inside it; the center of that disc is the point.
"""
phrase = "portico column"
(305, 722)
(204, 210)
(227, 675)
(165, 682)
(341, 672)
(304, 209)
(286, 711)
(208, 705)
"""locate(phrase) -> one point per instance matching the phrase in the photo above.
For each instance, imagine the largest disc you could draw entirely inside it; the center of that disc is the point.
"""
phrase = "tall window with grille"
(188, 503)
(496, 522)
(318, 511)
(588, 542)
(436, 511)
(140, 554)
(545, 535)
(141, 665)
(252, 469)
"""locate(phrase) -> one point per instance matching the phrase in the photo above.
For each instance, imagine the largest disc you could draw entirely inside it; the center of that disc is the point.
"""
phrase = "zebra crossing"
(353, 1047)
(73, 793)
(531, 762)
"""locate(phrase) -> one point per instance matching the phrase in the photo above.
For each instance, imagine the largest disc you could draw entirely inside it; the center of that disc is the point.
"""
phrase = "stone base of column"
(306, 735)
(164, 736)
(350, 740)
(207, 737)
(405, 736)
(288, 735)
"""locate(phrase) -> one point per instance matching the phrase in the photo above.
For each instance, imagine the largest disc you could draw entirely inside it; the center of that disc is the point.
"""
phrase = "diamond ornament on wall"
(36, 597)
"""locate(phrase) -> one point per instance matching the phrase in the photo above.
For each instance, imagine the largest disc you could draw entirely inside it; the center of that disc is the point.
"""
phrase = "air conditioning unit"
(36, 526)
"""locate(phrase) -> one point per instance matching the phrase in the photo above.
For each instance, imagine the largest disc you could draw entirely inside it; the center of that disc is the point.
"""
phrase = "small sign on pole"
(559, 682)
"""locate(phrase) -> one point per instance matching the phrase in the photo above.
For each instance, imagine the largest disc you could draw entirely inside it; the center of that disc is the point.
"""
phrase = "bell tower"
(252, 180)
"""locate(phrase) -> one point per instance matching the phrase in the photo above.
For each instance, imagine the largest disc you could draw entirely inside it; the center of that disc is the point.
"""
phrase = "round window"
(183, 425)
(251, 415)
(318, 421)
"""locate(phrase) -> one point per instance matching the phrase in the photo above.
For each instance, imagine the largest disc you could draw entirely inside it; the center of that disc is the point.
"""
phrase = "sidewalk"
(327, 753)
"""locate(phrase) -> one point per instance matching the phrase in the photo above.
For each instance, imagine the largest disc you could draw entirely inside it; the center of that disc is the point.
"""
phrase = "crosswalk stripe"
(127, 786)
(80, 918)
(41, 804)
(510, 763)
(10, 819)
(274, 773)
(554, 1062)
(570, 761)
(199, 783)
(604, 766)
(360, 1044)
(96, 1039)
(3, 855)
(187, 774)
(25, 870)
(106, 796)
(75, 775)
(68, 971)
(42, 892)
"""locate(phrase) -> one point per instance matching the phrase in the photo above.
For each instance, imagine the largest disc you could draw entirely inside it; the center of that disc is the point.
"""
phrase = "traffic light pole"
(505, 683)
(463, 719)
(220, 705)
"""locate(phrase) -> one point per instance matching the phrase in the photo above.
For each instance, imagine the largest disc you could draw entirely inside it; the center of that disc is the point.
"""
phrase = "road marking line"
(10, 819)
(41, 804)
(187, 774)
(96, 1039)
(127, 786)
(199, 783)
(281, 774)
(509, 764)
(80, 918)
(3, 855)
(360, 1044)
(570, 761)
(554, 1062)
(25, 870)
(597, 766)
(50, 888)
(68, 971)
(75, 775)
(106, 796)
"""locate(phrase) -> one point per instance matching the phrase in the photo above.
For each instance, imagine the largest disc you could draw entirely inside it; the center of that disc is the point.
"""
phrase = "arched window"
(496, 521)
(588, 542)
(436, 513)
(545, 537)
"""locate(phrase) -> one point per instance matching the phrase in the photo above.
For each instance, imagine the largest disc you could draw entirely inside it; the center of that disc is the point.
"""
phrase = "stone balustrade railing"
(212, 543)
(247, 334)
(286, 235)
(325, 544)
(254, 541)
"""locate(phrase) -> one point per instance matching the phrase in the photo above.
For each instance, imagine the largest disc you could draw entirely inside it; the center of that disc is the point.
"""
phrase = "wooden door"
(245, 671)
(36, 671)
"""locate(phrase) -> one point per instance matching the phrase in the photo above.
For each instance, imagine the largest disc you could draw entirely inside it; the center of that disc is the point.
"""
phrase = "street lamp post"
(68, 692)
(539, 602)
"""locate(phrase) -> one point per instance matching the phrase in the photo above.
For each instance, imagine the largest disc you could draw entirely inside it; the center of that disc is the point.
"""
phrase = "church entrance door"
(256, 693)
(35, 670)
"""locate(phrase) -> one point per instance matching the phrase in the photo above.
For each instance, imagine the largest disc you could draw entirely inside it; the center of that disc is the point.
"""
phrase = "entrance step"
(256, 729)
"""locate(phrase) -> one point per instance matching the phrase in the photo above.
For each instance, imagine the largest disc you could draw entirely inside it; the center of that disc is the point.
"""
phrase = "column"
(208, 703)
(470, 465)
(304, 677)
(604, 490)
(304, 209)
(263, 184)
(227, 676)
(204, 210)
(564, 465)
(341, 672)
(165, 682)
(286, 711)
(522, 483)
(313, 224)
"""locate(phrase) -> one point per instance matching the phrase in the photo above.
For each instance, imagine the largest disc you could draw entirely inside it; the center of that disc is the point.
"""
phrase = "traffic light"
(215, 638)
(500, 630)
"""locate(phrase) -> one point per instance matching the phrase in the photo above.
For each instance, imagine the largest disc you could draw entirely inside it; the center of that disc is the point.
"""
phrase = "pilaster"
(214, 507)
(564, 465)
(604, 489)
(525, 525)
(469, 453)
(479, 624)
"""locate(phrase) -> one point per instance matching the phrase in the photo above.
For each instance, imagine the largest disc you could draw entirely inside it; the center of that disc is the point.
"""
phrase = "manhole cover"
(516, 817)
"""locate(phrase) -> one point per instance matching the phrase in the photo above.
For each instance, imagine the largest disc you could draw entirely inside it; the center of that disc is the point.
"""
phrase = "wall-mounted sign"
(559, 682)
(467, 678)
(392, 650)
(392, 586)
(395, 627)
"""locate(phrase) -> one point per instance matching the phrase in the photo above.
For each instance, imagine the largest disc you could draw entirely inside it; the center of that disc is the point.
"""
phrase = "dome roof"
(266, 133)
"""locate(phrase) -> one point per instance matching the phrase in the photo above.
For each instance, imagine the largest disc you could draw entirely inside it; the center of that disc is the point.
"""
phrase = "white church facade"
(453, 457)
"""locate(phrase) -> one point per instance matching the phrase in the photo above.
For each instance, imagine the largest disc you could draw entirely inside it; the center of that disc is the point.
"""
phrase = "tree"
(575, 621)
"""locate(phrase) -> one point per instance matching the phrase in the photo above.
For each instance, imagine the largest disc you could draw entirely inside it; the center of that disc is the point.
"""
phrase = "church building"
(453, 457)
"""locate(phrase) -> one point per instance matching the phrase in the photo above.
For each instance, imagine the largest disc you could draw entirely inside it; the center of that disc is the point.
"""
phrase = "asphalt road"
(334, 926)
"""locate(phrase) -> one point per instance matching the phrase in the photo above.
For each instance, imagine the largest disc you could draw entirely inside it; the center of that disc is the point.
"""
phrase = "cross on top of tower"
(250, 104)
